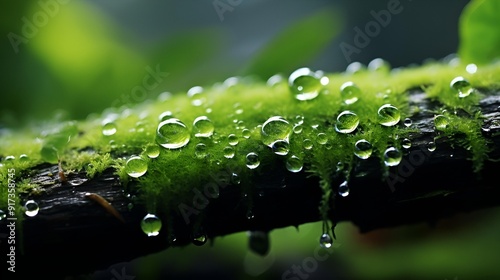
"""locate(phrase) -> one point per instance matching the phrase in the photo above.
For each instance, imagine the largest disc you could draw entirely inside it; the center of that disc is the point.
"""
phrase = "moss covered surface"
(240, 106)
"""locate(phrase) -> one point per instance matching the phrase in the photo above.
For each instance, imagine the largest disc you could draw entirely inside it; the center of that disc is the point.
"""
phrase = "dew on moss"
(274, 129)
(392, 156)
(347, 122)
(203, 127)
(388, 115)
(349, 92)
(136, 166)
(252, 160)
(294, 164)
(461, 86)
(304, 84)
(151, 225)
(31, 208)
(280, 147)
(363, 149)
(172, 134)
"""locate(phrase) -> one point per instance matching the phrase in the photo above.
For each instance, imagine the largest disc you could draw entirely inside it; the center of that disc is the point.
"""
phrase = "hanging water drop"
(252, 160)
(343, 189)
(347, 122)
(151, 225)
(325, 241)
(406, 143)
(199, 239)
(392, 156)
(363, 149)
(228, 152)
(136, 166)
(462, 86)
(294, 164)
(31, 208)
(388, 115)
(349, 92)
(172, 134)
(280, 147)
(304, 84)
(203, 127)
(274, 129)
(108, 129)
(152, 151)
(441, 122)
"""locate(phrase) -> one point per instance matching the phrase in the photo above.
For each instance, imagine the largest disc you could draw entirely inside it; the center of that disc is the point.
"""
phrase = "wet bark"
(425, 187)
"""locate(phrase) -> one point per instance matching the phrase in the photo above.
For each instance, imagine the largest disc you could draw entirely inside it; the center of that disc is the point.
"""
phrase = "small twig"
(104, 203)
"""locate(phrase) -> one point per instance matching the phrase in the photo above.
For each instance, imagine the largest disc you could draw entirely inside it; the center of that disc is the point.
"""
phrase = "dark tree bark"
(70, 227)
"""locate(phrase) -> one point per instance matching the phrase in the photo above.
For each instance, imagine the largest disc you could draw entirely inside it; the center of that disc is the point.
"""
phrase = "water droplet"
(347, 122)
(325, 241)
(109, 129)
(406, 143)
(363, 149)
(151, 225)
(232, 139)
(354, 67)
(136, 166)
(229, 152)
(304, 84)
(274, 129)
(343, 189)
(10, 158)
(275, 80)
(294, 164)
(308, 144)
(31, 208)
(349, 92)
(23, 158)
(441, 122)
(200, 151)
(378, 64)
(321, 138)
(388, 115)
(3, 215)
(199, 239)
(250, 215)
(152, 151)
(431, 146)
(252, 160)
(203, 127)
(235, 179)
(462, 86)
(172, 134)
(197, 95)
(407, 122)
(165, 116)
(280, 147)
(471, 68)
(392, 156)
(297, 129)
(246, 133)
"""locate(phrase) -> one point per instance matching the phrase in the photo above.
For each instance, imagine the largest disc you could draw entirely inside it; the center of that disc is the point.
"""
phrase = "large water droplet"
(151, 225)
(152, 151)
(297, 129)
(343, 189)
(172, 134)
(246, 133)
(280, 147)
(388, 115)
(347, 122)
(349, 92)
(136, 166)
(252, 160)
(228, 152)
(31, 208)
(199, 239)
(363, 149)
(392, 156)
(274, 129)
(109, 129)
(441, 122)
(203, 127)
(462, 86)
(304, 84)
(294, 164)
(325, 241)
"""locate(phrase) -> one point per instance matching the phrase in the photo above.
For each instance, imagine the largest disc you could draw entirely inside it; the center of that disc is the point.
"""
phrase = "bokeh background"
(68, 59)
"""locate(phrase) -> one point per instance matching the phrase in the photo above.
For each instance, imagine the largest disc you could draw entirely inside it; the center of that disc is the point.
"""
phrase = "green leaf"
(479, 32)
(297, 45)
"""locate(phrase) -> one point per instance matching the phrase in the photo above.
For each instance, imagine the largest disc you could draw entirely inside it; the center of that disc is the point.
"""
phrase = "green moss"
(175, 176)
